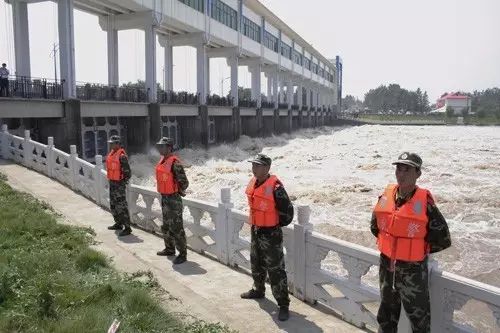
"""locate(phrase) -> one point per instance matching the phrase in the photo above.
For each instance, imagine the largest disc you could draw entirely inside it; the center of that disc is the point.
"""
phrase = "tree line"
(394, 99)
(391, 99)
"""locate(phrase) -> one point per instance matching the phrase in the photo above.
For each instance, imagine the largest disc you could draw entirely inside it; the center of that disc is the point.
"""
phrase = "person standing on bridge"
(408, 227)
(4, 80)
(119, 173)
(270, 209)
(171, 182)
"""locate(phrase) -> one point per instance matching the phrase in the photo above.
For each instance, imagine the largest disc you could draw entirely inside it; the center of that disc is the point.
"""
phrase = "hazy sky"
(439, 46)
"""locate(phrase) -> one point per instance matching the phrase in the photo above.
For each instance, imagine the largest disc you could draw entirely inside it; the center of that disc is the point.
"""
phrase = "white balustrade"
(220, 231)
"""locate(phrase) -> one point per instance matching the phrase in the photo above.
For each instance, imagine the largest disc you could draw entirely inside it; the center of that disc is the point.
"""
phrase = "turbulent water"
(340, 172)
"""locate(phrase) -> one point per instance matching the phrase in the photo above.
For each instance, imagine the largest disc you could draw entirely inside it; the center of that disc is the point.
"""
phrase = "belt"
(264, 230)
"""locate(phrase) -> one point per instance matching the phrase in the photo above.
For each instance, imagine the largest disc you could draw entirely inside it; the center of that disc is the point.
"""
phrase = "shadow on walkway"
(189, 268)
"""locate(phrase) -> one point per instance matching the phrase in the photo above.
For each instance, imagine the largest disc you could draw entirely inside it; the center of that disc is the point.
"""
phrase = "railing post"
(300, 231)
(99, 188)
(222, 236)
(27, 149)
(437, 295)
(437, 302)
(73, 166)
(4, 149)
(50, 156)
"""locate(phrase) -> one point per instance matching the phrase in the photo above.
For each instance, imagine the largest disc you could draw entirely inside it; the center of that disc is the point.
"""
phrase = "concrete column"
(154, 122)
(233, 63)
(276, 121)
(282, 91)
(169, 66)
(202, 72)
(299, 95)
(203, 115)
(113, 76)
(275, 90)
(67, 47)
(67, 129)
(289, 121)
(269, 87)
(289, 93)
(21, 38)
(256, 95)
(236, 123)
(150, 61)
(260, 122)
(308, 98)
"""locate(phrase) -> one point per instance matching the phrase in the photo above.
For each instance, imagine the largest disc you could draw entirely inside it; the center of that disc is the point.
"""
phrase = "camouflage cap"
(165, 141)
(261, 159)
(114, 139)
(410, 159)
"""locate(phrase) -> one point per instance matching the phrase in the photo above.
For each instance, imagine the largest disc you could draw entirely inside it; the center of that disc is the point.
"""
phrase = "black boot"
(180, 259)
(166, 252)
(284, 314)
(115, 226)
(125, 232)
(252, 294)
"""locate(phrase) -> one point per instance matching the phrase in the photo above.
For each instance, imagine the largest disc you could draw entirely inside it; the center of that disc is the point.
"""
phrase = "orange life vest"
(402, 230)
(165, 180)
(263, 212)
(113, 166)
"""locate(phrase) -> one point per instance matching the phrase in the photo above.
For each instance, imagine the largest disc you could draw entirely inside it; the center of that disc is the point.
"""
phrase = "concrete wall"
(189, 131)
(137, 129)
(268, 126)
(30, 108)
(223, 126)
(295, 123)
(117, 109)
(144, 124)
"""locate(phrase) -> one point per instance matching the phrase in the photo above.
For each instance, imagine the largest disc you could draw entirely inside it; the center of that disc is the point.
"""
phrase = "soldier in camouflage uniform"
(270, 209)
(406, 281)
(171, 184)
(118, 172)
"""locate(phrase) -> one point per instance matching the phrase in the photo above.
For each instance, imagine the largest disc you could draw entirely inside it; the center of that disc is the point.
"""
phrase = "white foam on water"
(340, 172)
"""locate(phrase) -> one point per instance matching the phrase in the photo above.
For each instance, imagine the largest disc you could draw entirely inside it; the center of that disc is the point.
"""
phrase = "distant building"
(457, 101)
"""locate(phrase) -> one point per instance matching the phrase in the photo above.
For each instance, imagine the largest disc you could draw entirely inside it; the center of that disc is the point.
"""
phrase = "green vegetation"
(51, 281)
(395, 98)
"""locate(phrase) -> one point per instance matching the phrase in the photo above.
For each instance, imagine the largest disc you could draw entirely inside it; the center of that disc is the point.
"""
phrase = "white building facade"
(244, 32)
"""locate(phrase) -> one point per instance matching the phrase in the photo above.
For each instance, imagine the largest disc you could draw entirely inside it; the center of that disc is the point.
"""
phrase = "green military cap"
(261, 159)
(114, 139)
(165, 141)
(410, 159)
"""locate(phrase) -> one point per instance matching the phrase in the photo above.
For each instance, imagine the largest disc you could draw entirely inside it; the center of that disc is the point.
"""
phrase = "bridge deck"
(201, 287)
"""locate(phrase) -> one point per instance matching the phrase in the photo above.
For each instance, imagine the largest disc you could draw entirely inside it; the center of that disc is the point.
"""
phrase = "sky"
(438, 46)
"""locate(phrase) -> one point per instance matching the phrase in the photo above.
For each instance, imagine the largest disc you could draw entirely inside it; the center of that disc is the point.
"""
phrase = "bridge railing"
(101, 92)
(340, 275)
(32, 87)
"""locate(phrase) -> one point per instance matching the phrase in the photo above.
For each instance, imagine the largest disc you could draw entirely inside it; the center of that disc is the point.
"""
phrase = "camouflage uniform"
(266, 251)
(172, 208)
(409, 282)
(117, 195)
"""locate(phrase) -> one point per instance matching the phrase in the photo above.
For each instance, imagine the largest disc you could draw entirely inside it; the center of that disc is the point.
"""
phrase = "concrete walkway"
(200, 287)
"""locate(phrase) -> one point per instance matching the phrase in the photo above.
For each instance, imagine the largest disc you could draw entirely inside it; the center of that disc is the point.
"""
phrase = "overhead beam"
(128, 21)
(222, 52)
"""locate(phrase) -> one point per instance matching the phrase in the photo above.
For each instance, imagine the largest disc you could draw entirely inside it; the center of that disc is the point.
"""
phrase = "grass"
(51, 281)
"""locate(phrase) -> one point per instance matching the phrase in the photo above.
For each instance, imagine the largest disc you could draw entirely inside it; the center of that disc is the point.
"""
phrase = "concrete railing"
(222, 232)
